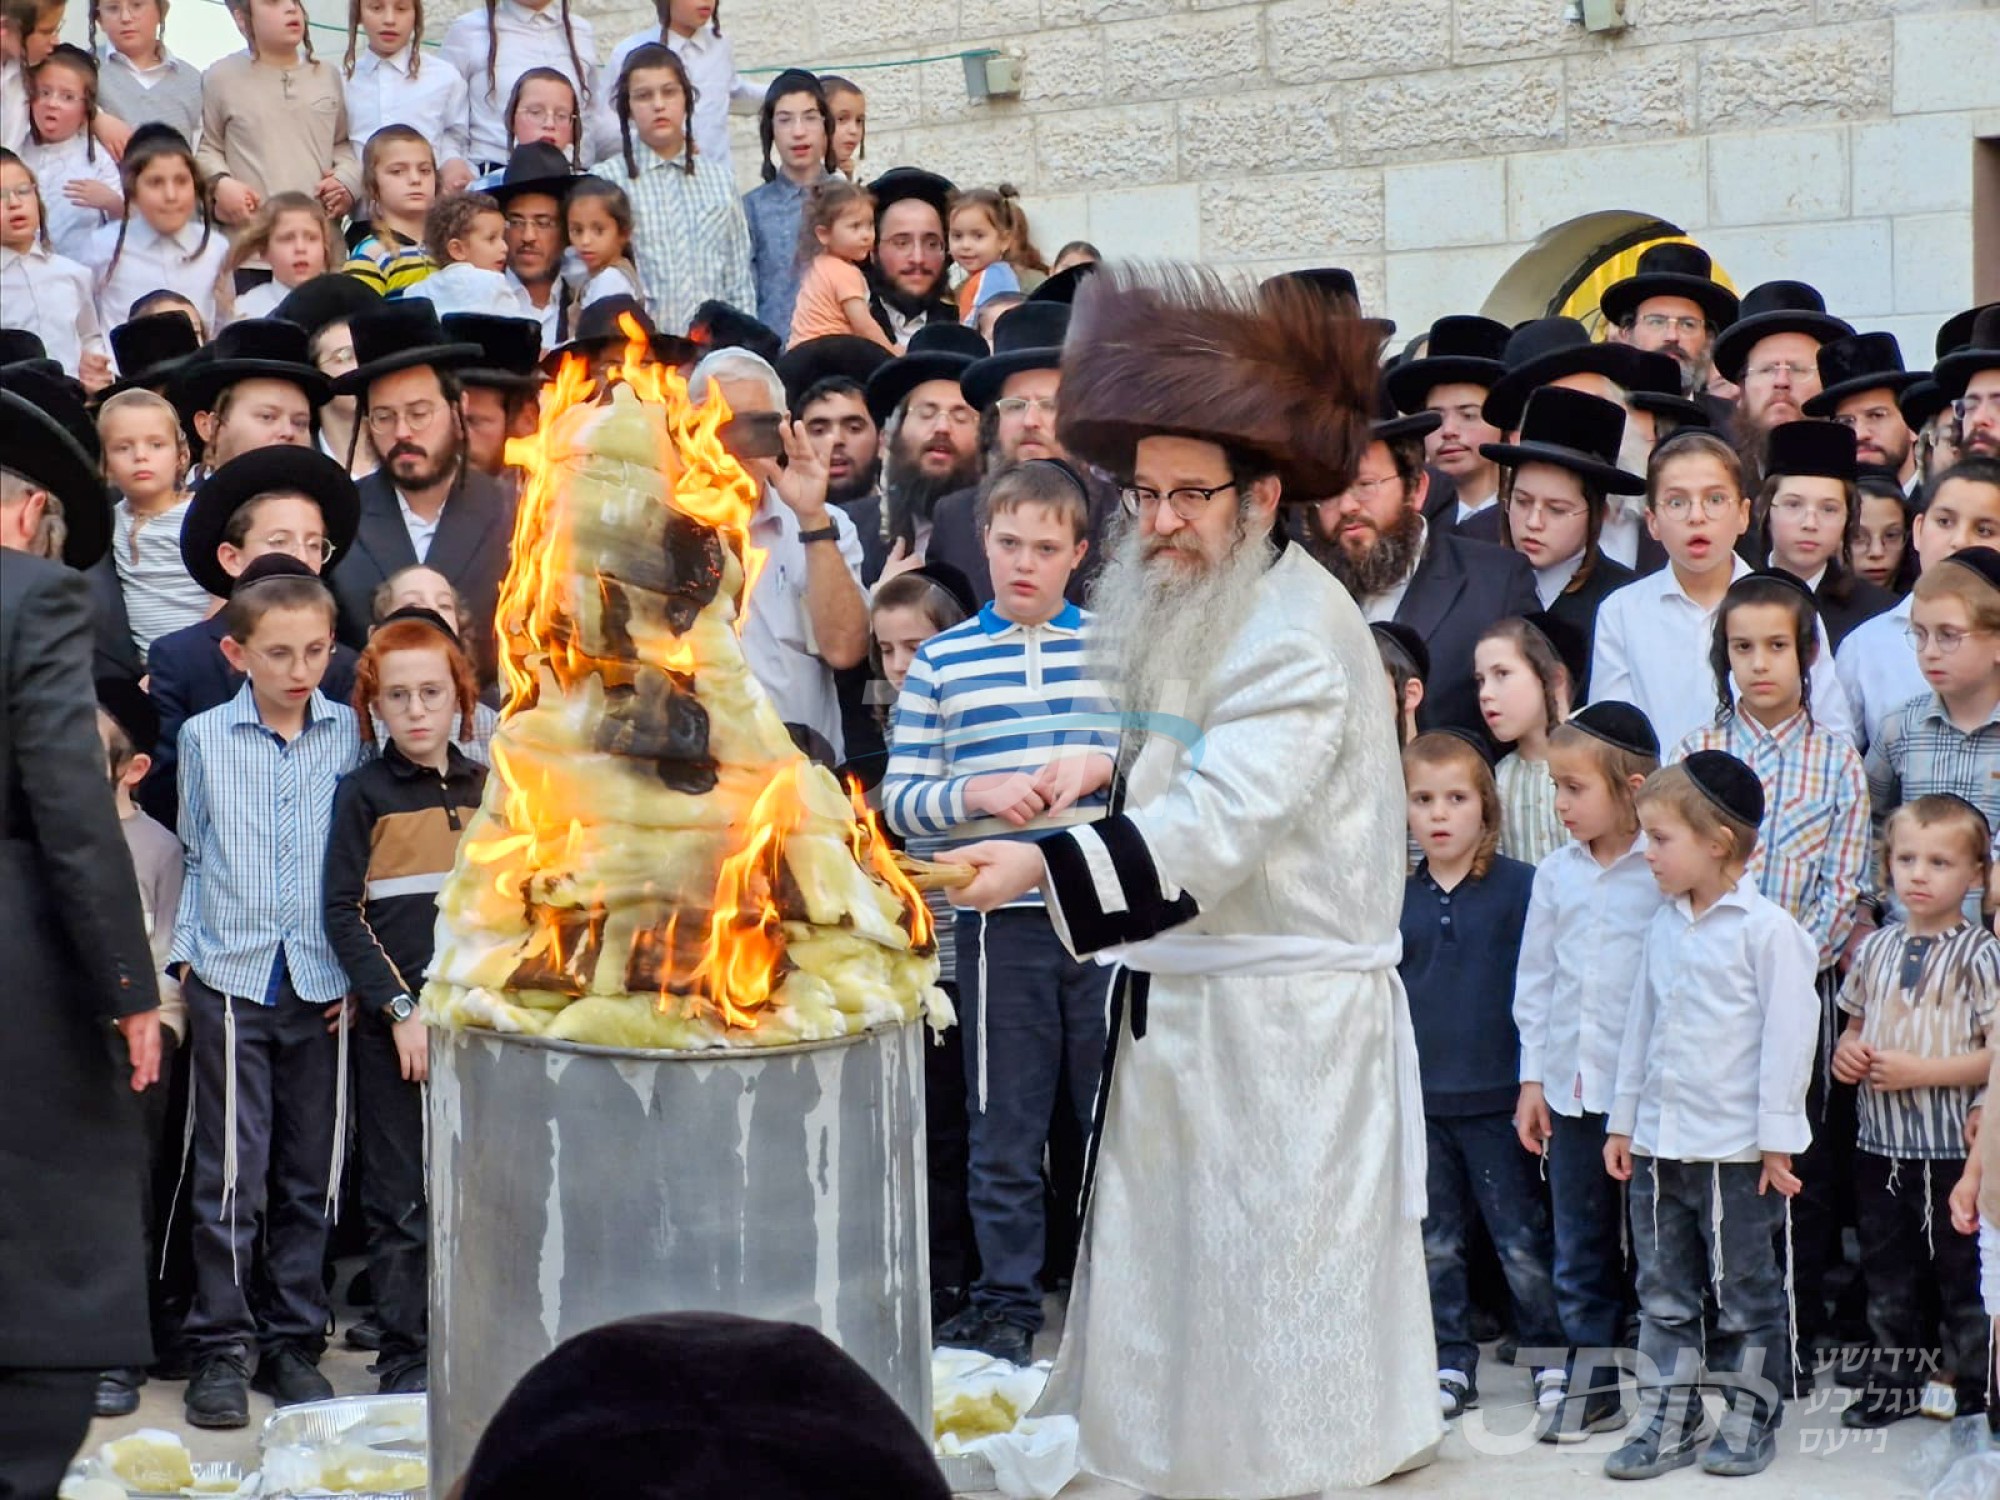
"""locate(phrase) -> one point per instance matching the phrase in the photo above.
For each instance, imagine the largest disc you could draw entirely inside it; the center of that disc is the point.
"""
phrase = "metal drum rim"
(674, 1054)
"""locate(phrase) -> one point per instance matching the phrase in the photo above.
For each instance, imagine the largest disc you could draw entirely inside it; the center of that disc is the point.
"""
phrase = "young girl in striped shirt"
(145, 461)
(1525, 690)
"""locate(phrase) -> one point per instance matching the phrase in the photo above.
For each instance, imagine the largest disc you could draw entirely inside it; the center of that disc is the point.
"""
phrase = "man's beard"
(1888, 460)
(909, 495)
(858, 485)
(1387, 562)
(1161, 627)
(431, 469)
(909, 304)
(1695, 370)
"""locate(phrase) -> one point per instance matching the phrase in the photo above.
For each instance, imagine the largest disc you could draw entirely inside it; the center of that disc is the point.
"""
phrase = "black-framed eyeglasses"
(1189, 502)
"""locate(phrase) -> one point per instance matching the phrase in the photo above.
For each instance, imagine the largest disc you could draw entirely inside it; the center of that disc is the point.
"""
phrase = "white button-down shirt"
(1878, 668)
(1719, 1040)
(527, 39)
(1580, 953)
(435, 102)
(1552, 580)
(52, 297)
(13, 107)
(718, 88)
(55, 163)
(151, 262)
(778, 637)
(422, 532)
(1651, 650)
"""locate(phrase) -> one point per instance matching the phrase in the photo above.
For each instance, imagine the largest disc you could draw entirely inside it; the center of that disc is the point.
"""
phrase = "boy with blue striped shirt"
(264, 993)
(1002, 731)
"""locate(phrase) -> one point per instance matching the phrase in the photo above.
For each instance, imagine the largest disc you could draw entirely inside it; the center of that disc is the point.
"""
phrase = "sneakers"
(1743, 1445)
(996, 1337)
(118, 1393)
(1581, 1415)
(1671, 1439)
(289, 1377)
(1456, 1393)
(219, 1394)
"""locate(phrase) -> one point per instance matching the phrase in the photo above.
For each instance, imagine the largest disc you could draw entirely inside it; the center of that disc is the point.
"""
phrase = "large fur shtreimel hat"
(1170, 349)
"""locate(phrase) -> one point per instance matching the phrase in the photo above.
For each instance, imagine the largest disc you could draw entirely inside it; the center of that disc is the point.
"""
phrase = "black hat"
(597, 329)
(1461, 351)
(937, 351)
(898, 183)
(1671, 268)
(805, 365)
(536, 167)
(131, 710)
(400, 335)
(152, 350)
(1812, 447)
(1774, 307)
(1981, 352)
(18, 344)
(1985, 561)
(1727, 783)
(1547, 349)
(1570, 644)
(1409, 642)
(332, 298)
(423, 616)
(270, 565)
(1392, 426)
(1618, 724)
(718, 325)
(1028, 337)
(510, 350)
(1655, 386)
(1860, 362)
(38, 447)
(1783, 577)
(57, 393)
(687, 1405)
(251, 349)
(1062, 286)
(953, 581)
(1336, 287)
(1921, 402)
(259, 472)
(1956, 331)
(1573, 430)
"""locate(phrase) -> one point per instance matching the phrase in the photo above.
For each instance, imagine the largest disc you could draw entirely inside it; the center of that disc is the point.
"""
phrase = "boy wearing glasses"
(264, 991)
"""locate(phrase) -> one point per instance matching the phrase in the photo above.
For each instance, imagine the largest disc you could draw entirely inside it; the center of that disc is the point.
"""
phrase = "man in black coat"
(909, 275)
(72, 1153)
(1448, 588)
(426, 504)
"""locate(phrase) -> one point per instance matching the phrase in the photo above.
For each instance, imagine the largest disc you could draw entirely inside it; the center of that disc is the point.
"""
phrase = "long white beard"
(1162, 627)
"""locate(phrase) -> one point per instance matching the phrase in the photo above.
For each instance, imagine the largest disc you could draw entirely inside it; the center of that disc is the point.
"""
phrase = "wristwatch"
(827, 533)
(401, 1009)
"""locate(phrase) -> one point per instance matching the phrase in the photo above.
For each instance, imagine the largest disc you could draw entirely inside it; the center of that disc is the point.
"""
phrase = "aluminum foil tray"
(398, 1423)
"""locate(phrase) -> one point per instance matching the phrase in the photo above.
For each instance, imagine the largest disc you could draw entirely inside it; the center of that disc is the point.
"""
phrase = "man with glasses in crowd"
(931, 431)
(530, 193)
(908, 276)
(1771, 353)
(1970, 378)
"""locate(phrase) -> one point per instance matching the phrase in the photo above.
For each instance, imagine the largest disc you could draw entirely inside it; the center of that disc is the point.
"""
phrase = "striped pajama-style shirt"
(255, 812)
(689, 237)
(1530, 831)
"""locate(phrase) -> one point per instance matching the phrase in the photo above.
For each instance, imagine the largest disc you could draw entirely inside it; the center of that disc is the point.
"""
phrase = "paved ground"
(1484, 1458)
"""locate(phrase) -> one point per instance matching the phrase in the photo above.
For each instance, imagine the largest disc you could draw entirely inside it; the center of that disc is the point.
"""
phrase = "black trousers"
(954, 1257)
(1912, 1259)
(44, 1415)
(170, 1208)
(1825, 1204)
(287, 1066)
(389, 1133)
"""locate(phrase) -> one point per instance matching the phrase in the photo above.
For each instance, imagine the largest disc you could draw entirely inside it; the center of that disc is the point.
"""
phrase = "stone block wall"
(1428, 144)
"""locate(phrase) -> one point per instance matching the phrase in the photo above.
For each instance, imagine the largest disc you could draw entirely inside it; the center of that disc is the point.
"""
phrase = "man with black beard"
(1446, 587)
(932, 431)
(908, 275)
(425, 504)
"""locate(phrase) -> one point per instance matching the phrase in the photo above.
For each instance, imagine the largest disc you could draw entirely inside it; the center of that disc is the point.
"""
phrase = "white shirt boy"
(435, 101)
(150, 262)
(1878, 668)
(1720, 1036)
(528, 39)
(54, 297)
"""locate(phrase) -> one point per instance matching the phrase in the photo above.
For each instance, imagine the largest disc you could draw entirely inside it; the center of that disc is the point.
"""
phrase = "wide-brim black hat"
(1920, 403)
(1461, 350)
(1572, 430)
(1860, 362)
(898, 183)
(1547, 349)
(1389, 425)
(131, 709)
(400, 335)
(1982, 352)
(1655, 386)
(37, 446)
(1336, 287)
(937, 351)
(1812, 447)
(805, 365)
(1061, 287)
(1030, 337)
(536, 167)
(20, 344)
(151, 351)
(1772, 308)
(332, 298)
(598, 327)
(251, 349)
(261, 471)
(1955, 332)
(510, 350)
(719, 325)
(1672, 268)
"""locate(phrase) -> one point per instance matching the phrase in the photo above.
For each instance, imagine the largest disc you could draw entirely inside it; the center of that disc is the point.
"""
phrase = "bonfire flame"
(541, 824)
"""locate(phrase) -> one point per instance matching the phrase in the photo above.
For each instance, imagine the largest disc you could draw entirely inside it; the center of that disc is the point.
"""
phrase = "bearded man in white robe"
(1250, 1316)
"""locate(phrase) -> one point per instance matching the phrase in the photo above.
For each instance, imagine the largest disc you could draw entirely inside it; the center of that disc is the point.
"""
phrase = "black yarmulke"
(422, 616)
(1985, 561)
(271, 565)
(1479, 743)
(1620, 724)
(1788, 579)
(131, 710)
(1409, 642)
(1728, 783)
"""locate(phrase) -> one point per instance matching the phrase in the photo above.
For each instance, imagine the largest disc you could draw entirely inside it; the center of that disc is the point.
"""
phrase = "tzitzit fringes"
(982, 1013)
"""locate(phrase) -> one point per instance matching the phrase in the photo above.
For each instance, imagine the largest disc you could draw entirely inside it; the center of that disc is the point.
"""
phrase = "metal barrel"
(572, 1186)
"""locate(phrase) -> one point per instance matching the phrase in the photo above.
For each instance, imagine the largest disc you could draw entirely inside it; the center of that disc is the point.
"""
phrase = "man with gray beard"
(1257, 1258)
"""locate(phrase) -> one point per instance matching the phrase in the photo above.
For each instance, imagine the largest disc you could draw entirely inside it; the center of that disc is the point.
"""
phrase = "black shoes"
(1744, 1445)
(118, 1393)
(1671, 1439)
(219, 1393)
(996, 1337)
(1457, 1395)
(409, 1379)
(366, 1334)
(288, 1376)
